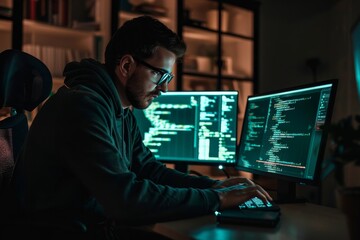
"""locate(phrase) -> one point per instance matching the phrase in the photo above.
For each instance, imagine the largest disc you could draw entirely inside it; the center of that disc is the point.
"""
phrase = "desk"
(298, 221)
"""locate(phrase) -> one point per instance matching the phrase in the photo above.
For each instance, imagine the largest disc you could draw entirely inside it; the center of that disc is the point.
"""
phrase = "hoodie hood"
(92, 74)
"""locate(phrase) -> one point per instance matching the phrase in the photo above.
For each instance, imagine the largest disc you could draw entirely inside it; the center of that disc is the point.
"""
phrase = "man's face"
(143, 85)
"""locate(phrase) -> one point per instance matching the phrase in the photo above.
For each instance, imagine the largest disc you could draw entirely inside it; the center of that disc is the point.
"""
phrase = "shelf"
(5, 25)
(31, 26)
(237, 36)
(212, 75)
(200, 33)
(5, 34)
(234, 44)
(191, 28)
(2, 17)
(200, 74)
(200, 27)
(57, 83)
(130, 15)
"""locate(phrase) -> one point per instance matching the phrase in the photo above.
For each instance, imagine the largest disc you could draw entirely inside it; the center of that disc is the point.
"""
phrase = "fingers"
(249, 182)
(234, 197)
(238, 190)
(255, 191)
(237, 180)
(260, 195)
(265, 193)
(246, 181)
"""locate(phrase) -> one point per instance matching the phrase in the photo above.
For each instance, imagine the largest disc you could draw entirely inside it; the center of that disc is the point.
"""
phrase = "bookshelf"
(57, 31)
(220, 58)
(221, 37)
(5, 33)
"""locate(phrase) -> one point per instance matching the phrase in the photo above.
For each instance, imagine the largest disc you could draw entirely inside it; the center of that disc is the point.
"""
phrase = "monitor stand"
(286, 192)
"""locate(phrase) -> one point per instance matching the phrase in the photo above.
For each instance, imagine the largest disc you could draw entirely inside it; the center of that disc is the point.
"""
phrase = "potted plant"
(345, 137)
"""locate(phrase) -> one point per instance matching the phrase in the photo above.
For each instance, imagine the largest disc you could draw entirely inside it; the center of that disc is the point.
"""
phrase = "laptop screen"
(283, 132)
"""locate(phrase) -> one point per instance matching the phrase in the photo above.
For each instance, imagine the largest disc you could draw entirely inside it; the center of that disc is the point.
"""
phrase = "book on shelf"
(78, 14)
(82, 13)
(55, 58)
(6, 8)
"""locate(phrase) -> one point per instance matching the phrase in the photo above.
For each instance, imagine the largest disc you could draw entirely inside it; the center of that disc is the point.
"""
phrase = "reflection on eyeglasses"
(163, 75)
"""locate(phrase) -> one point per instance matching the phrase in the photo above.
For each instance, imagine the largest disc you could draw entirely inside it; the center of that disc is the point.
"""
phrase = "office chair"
(25, 82)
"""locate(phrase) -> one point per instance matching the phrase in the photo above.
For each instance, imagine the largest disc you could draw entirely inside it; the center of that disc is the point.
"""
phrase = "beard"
(137, 95)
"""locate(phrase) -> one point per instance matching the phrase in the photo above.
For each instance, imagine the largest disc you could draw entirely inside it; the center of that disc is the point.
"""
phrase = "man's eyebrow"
(160, 69)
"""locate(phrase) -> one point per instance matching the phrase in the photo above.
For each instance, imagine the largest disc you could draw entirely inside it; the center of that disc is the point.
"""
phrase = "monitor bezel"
(207, 162)
(323, 141)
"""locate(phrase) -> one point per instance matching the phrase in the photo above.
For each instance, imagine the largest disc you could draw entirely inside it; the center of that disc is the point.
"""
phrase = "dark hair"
(140, 37)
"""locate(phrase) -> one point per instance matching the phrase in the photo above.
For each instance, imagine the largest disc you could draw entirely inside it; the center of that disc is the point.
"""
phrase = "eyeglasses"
(162, 76)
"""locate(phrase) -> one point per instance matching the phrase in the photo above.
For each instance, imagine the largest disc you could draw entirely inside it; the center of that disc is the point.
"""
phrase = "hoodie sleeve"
(96, 160)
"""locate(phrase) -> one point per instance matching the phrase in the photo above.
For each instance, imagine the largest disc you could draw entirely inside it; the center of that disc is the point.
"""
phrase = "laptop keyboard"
(257, 203)
(253, 203)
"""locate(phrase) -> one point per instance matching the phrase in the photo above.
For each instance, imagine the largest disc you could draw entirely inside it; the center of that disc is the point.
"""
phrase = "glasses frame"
(165, 76)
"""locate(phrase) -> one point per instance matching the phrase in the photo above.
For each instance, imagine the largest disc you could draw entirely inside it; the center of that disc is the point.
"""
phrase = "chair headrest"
(25, 81)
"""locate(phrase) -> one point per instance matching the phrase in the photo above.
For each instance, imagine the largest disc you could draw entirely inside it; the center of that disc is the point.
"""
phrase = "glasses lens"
(166, 77)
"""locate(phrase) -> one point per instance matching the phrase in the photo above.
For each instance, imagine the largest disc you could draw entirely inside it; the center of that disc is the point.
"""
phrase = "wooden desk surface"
(298, 221)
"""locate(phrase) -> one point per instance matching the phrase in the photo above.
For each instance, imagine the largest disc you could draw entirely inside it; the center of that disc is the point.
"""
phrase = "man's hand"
(234, 196)
(233, 181)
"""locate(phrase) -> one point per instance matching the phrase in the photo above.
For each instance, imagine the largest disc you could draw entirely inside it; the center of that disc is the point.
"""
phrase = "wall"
(292, 32)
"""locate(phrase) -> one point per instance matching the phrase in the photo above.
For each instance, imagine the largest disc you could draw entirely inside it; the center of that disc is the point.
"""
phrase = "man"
(84, 158)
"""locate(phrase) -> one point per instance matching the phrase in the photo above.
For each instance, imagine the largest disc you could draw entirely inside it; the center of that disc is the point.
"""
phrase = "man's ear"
(126, 66)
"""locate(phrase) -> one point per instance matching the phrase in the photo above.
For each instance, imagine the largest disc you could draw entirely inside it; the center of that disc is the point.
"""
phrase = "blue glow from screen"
(356, 47)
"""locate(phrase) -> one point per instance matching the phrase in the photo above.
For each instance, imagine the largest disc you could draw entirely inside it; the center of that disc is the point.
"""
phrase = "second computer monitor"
(284, 135)
(192, 127)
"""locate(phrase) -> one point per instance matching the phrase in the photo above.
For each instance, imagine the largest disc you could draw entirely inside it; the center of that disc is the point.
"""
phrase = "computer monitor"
(191, 127)
(283, 133)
